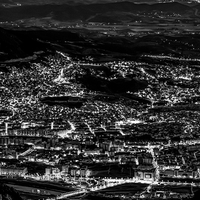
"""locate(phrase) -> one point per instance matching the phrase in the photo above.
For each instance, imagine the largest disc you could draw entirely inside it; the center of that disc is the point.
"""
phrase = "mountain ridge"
(7, 3)
(83, 12)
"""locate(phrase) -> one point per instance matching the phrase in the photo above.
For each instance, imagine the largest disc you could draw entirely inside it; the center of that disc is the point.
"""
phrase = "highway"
(30, 150)
(114, 182)
(70, 194)
(108, 183)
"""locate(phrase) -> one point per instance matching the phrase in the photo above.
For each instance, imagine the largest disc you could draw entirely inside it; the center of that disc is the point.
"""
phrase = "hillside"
(7, 192)
(14, 45)
(20, 44)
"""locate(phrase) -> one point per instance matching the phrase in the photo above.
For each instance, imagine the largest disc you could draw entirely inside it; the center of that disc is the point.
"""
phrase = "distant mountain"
(86, 12)
(10, 3)
(18, 44)
(7, 3)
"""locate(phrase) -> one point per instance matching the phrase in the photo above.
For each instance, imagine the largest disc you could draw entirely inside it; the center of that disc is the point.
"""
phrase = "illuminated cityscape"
(99, 100)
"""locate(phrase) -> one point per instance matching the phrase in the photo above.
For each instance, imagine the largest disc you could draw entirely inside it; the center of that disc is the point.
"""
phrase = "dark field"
(128, 189)
(36, 189)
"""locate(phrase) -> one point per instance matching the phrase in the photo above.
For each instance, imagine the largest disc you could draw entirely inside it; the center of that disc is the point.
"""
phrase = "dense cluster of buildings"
(13, 171)
(105, 138)
(103, 152)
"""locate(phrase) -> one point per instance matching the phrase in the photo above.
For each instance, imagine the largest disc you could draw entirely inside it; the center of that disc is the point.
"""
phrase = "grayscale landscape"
(100, 100)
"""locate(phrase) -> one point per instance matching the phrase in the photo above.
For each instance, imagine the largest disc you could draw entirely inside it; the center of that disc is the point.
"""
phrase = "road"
(196, 12)
(115, 182)
(155, 164)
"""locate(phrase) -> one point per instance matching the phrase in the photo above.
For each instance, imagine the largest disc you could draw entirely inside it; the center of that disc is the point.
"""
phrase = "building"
(65, 169)
(84, 172)
(52, 172)
(171, 173)
(80, 172)
(4, 140)
(48, 171)
(146, 174)
(13, 171)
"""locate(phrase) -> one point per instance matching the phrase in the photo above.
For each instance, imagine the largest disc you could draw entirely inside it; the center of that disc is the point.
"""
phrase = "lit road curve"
(66, 133)
(155, 164)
